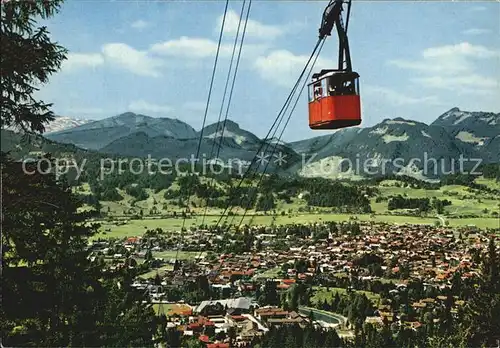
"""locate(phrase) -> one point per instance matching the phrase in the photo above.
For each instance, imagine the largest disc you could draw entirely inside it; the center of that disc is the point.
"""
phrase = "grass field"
(321, 294)
(491, 183)
(183, 255)
(464, 202)
(270, 273)
(161, 271)
(386, 187)
(138, 227)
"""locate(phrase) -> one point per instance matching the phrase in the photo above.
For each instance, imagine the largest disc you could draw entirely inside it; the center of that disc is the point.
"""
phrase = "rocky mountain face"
(480, 129)
(480, 124)
(456, 141)
(229, 130)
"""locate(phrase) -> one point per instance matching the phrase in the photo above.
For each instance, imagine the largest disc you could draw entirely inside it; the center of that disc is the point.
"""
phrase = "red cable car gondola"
(334, 100)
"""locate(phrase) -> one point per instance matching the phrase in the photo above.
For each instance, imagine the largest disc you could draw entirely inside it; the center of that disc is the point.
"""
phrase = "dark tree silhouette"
(28, 59)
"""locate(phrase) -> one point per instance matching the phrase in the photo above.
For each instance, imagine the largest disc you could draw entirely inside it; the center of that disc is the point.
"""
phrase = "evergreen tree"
(483, 309)
(28, 59)
(53, 294)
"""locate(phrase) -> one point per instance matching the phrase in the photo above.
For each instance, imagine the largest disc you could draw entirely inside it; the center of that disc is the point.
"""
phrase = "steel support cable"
(234, 77)
(272, 126)
(281, 134)
(269, 143)
(233, 82)
(280, 118)
(286, 124)
(284, 127)
(263, 156)
(280, 114)
(205, 115)
(213, 77)
(230, 93)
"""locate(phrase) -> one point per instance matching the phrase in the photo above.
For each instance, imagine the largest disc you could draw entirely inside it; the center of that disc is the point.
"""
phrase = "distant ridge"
(453, 134)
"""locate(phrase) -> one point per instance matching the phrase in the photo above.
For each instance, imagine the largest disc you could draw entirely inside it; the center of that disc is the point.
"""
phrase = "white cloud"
(190, 48)
(149, 62)
(471, 83)
(464, 49)
(138, 62)
(198, 48)
(253, 29)
(476, 31)
(139, 24)
(76, 61)
(283, 67)
(449, 59)
(396, 98)
(144, 106)
(452, 67)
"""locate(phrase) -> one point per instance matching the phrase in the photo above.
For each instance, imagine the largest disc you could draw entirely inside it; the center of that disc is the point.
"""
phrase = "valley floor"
(120, 228)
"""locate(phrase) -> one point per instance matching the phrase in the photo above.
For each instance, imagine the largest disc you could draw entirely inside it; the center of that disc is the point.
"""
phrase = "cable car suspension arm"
(333, 16)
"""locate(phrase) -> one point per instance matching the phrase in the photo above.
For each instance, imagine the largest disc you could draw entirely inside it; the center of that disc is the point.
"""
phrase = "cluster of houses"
(430, 254)
(239, 322)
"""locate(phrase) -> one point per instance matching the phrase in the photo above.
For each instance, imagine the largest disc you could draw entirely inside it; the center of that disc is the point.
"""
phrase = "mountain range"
(392, 146)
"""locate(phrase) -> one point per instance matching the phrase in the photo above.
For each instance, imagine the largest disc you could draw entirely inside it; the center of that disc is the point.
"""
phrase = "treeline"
(422, 204)
(354, 306)
(294, 336)
(333, 194)
(320, 231)
(404, 180)
(400, 202)
(469, 181)
(491, 171)
(133, 184)
(244, 196)
(320, 192)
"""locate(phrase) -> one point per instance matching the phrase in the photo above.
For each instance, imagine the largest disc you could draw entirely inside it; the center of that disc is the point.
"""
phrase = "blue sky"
(416, 59)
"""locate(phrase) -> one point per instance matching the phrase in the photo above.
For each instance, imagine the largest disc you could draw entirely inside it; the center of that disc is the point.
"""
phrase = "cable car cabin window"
(315, 91)
(324, 88)
(343, 87)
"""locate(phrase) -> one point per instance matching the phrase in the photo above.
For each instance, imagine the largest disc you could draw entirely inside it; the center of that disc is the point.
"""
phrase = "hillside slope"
(98, 134)
(397, 146)
(480, 129)
(233, 153)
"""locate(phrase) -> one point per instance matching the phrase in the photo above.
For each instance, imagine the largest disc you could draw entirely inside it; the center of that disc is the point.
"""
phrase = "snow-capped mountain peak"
(63, 123)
